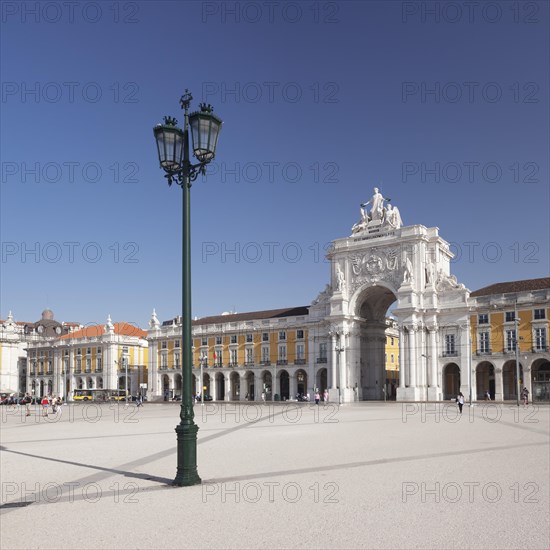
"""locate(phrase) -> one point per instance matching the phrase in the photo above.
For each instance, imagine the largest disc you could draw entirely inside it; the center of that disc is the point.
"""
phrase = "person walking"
(487, 396)
(525, 396)
(317, 397)
(45, 404)
(325, 396)
(28, 400)
(460, 401)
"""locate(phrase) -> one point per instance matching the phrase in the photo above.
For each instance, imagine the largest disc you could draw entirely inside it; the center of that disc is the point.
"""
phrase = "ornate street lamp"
(173, 152)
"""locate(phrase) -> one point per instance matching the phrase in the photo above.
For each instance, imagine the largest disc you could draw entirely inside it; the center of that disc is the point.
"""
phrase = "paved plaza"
(371, 475)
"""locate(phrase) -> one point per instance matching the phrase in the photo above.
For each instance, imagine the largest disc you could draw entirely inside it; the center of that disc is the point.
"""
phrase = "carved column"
(413, 350)
(402, 357)
(334, 380)
(433, 354)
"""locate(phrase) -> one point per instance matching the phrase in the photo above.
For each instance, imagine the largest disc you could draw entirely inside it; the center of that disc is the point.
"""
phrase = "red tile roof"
(513, 286)
(124, 329)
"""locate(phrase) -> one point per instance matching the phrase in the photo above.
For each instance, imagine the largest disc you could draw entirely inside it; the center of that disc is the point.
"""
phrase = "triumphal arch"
(385, 263)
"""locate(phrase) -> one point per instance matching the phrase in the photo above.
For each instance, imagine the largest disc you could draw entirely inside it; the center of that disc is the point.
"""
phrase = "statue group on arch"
(379, 215)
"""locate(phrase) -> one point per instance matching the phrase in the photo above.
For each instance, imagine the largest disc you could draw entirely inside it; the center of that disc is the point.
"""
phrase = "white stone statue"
(430, 273)
(340, 279)
(407, 273)
(393, 217)
(377, 206)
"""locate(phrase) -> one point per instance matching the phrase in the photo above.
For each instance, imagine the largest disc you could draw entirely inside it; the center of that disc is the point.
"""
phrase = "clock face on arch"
(40, 329)
(58, 330)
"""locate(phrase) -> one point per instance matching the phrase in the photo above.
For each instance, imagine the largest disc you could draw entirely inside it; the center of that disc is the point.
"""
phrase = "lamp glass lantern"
(170, 145)
(205, 130)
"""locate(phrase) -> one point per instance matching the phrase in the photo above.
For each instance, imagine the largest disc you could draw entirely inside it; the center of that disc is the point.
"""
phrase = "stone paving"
(373, 475)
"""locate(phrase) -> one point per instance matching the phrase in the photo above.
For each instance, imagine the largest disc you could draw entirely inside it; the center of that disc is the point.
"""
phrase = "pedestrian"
(525, 396)
(27, 404)
(45, 404)
(460, 401)
(325, 396)
(263, 396)
(317, 397)
(487, 396)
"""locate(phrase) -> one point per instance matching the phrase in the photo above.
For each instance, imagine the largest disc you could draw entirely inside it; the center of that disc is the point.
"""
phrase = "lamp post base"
(187, 474)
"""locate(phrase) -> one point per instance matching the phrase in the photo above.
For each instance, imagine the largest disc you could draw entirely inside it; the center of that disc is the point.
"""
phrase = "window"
(323, 351)
(299, 334)
(79, 351)
(176, 360)
(392, 357)
(510, 316)
(233, 338)
(300, 351)
(265, 336)
(99, 351)
(282, 353)
(99, 364)
(249, 356)
(176, 343)
(88, 364)
(265, 354)
(124, 349)
(450, 348)
(539, 314)
(88, 351)
(204, 341)
(540, 338)
(78, 365)
(218, 340)
(233, 356)
(164, 345)
(483, 319)
(218, 358)
(249, 338)
(510, 340)
(392, 342)
(282, 335)
(65, 366)
(163, 361)
(484, 342)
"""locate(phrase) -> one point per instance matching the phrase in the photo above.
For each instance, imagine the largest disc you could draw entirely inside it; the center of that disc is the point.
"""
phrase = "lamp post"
(173, 152)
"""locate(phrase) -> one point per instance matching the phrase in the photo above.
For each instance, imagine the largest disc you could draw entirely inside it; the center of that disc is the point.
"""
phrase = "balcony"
(450, 353)
(483, 352)
(249, 363)
(321, 359)
(282, 362)
(77, 371)
(265, 363)
(299, 361)
(540, 349)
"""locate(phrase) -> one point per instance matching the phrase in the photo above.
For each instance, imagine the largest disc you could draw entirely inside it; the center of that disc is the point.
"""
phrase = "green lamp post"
(173, 152)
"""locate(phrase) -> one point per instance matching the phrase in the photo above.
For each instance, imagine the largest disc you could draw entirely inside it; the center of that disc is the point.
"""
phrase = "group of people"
(55, 403)
(524, 398)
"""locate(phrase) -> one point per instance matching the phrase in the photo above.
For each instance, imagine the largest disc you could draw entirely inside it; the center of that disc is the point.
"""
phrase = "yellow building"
(506, 315)
(281, 353)
(98, 357)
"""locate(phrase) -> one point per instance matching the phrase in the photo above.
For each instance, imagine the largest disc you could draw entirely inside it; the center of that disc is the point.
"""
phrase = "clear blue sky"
(321, 101)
